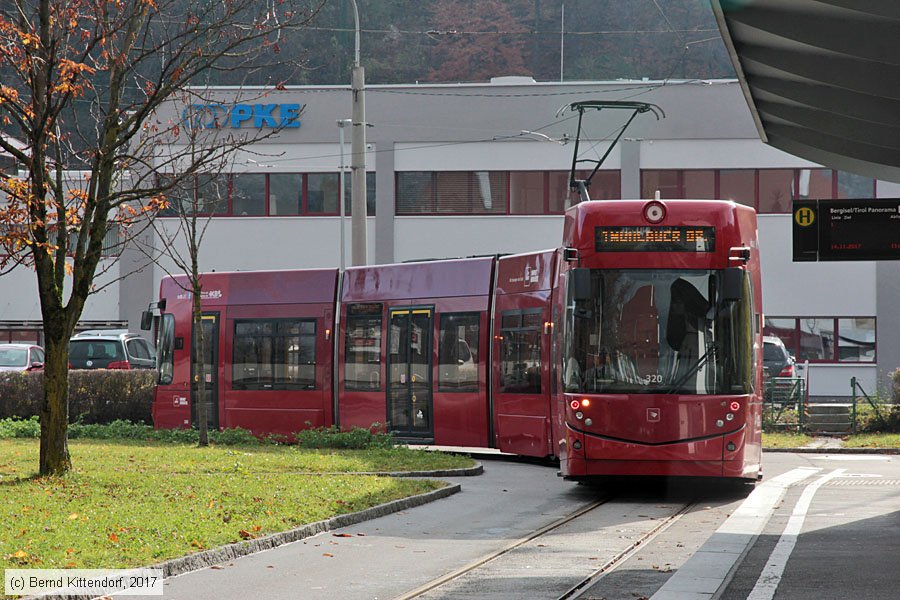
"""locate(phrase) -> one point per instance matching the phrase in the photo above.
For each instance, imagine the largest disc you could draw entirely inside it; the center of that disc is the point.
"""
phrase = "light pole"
(341, 123)
(358, 154)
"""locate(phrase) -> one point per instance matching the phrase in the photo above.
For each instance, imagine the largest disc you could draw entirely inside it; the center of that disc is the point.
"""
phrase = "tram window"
(458, 352)
(520, 352)
(274, 354)
(362, 363)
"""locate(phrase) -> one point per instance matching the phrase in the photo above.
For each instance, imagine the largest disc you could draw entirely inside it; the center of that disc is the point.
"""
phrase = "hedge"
(95, 396)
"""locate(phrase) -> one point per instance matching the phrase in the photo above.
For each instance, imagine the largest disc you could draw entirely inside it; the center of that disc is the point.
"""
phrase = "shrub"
(126, 430)
(95, 396)
(20, 428)
(356, 438)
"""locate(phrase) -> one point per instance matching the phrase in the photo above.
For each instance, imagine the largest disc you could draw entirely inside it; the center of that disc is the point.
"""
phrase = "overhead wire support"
(582, 185)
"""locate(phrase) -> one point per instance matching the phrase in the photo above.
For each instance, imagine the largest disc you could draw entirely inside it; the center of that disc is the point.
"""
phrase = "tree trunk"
(199, 367)
(54, 453)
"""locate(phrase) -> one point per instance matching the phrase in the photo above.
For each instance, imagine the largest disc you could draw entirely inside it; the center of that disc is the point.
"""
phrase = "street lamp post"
(341, 123)
(358, 154)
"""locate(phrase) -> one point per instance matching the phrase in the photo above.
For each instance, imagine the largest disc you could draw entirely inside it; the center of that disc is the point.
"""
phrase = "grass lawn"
(137, 503)
(873, 440)
(785, 440)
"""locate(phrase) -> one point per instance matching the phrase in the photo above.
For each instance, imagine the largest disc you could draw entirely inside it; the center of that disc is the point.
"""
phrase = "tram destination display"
(845, 230)
(655, 238)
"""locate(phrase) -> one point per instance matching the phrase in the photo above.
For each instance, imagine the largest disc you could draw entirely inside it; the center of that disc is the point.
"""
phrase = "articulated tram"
(635, 348)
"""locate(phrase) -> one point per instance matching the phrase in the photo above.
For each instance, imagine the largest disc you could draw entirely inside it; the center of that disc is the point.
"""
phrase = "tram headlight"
(720, 423)
(579, 415)
(729, 417)
(588, 422)
(730, 447)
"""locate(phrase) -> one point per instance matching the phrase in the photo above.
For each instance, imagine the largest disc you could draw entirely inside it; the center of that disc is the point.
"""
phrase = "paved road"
(819, 527)
(402, 551)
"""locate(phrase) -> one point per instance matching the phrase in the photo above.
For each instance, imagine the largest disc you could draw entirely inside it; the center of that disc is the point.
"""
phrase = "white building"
(454, 171)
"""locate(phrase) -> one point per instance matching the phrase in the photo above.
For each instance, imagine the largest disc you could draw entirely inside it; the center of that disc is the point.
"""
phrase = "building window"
(362, 362)
(527, 193)
(814, 184)
(775, 190)
(248, 194)
(285, 194)
(700, 184)
(274, 354)
(738, 185)
(826, 339)
(856, 339)
(769, 191)
(260, 194)
(322, 193)
(458, 352)
(520, 352)
(850, 185)
(496, 192)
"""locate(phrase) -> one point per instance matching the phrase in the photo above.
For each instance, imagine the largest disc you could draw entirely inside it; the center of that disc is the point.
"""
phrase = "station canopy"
(822, 78)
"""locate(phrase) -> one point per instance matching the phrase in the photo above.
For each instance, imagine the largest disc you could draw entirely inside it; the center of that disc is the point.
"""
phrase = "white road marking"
(850, 457)
(771, 574)
(705, 572)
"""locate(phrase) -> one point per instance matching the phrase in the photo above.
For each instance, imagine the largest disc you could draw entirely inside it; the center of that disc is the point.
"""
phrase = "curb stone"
(835, 450)
(214, 556)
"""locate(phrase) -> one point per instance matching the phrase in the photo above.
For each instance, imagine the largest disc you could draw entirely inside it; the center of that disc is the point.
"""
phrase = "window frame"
(794, 348)
(679, 187)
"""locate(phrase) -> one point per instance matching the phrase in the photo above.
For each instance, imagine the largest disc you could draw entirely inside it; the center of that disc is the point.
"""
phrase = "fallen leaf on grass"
(114, 538)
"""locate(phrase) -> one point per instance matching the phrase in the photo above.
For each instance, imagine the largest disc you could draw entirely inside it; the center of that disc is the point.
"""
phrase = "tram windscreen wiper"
(695, 366)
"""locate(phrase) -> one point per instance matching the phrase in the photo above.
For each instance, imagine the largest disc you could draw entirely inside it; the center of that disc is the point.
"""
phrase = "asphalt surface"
(819, 527)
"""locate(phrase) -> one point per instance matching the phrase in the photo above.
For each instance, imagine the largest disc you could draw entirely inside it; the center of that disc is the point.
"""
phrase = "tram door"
(210, 358)
(409, 398)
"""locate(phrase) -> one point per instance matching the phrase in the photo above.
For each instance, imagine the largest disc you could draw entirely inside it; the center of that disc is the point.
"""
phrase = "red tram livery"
(634, 349)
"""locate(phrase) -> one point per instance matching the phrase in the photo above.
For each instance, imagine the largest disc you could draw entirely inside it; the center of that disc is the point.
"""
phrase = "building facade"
(476, 169)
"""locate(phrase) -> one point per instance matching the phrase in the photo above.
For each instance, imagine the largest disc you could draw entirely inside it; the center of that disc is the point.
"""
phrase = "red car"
(21, 357)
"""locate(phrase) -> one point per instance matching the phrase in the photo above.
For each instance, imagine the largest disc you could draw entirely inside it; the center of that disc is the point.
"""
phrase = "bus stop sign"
(837, 230)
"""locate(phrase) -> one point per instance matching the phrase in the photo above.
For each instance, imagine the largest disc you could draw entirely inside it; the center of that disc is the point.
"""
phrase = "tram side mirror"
(146, 320)
(733, 284)
(581, 284)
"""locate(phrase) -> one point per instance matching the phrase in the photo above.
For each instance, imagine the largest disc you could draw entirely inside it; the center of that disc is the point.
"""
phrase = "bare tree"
(81, 82)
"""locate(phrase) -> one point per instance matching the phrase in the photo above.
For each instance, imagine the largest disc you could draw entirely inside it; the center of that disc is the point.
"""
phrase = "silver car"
(21, 357)
(110, 349)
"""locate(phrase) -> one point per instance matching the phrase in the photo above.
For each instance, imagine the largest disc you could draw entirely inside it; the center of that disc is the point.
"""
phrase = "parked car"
(110, 349)
(777, 361)
(21, 357)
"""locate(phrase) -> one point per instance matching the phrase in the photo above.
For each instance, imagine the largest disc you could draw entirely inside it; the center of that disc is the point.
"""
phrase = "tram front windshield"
(658, 332)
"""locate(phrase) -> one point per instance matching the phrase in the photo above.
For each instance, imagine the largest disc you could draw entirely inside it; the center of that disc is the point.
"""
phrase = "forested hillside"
(404, 41)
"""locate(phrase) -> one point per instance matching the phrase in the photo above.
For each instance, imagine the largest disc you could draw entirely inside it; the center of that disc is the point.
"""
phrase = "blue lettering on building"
(257, 116)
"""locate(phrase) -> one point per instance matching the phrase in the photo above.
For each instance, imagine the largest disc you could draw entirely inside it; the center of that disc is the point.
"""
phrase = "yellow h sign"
(804, 216)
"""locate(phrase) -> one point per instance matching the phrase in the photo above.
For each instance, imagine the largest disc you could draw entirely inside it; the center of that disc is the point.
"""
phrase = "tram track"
(440, 587)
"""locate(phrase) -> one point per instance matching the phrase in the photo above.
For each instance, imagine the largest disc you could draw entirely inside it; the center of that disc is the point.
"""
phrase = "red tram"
(634, 349)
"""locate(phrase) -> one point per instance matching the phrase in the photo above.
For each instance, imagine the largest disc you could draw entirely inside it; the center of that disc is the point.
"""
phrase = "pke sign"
(258, 116)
